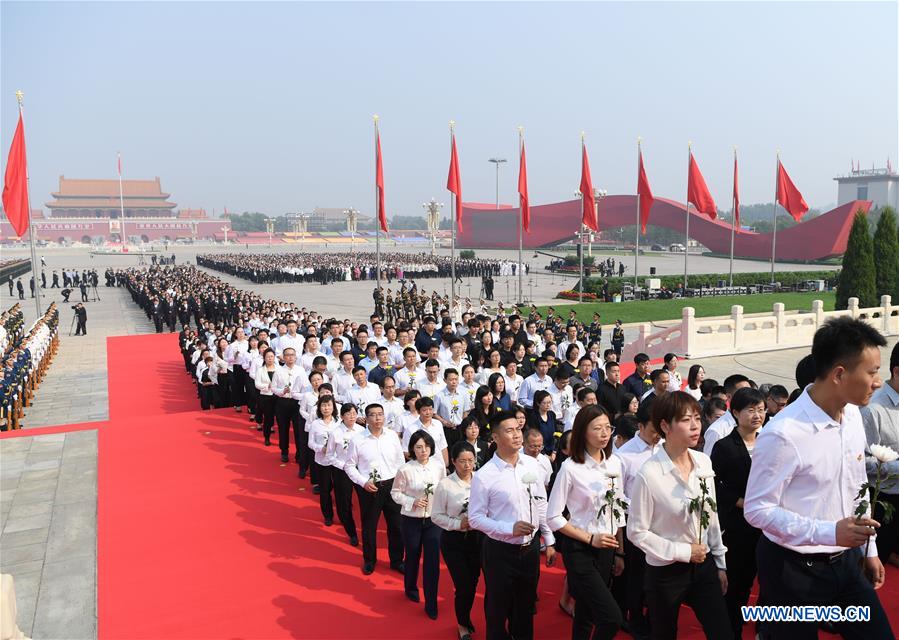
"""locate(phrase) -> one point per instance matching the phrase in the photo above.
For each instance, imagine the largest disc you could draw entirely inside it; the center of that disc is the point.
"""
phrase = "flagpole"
(733, 222)
(377, 209)
(580, 239)
(687, 232)
(520, 221)
(637, 234)
(774, 234)
(121, 200)
(20, 98)
(453, 202)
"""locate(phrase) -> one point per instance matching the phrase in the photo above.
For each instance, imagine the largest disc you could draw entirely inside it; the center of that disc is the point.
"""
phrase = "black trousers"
(596, 614)
(511, 573)
(462, 555)
(788, 578)
(343, 496)
(888, 534)
(265, 413)
(223, 395)
(371, 506)
(696, 585)
(251, 393)
(238, 384)
(741, 570)
(635, 567)
(325, 485)
(305, 455)
(81, 328)
(287, 413)
(422, 537)
(207, 396)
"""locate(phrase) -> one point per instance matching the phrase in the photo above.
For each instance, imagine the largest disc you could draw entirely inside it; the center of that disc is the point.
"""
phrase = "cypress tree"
(857, 279)
(886, 254)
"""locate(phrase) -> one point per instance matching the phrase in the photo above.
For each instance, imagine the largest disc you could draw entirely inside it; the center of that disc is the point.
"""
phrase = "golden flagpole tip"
(639, 139)
(376, 117)
(20, 96)
(520, 128)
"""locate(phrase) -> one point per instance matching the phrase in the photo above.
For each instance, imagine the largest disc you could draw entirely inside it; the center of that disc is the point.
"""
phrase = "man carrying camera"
(81, 316)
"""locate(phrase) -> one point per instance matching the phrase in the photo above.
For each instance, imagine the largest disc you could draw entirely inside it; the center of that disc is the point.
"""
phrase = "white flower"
(529, 478)
(705, 475)
(613, 474)
(883, 454)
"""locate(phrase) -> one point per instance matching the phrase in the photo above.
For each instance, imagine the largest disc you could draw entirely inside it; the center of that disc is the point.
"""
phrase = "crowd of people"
(326, 268)
(500, 442)
(25, 356)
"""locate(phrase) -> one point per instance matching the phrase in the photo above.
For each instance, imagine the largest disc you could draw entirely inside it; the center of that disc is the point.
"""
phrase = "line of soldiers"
(26, 357)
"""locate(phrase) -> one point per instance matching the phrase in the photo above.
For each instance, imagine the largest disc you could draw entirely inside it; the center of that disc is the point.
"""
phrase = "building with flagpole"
(880, 186)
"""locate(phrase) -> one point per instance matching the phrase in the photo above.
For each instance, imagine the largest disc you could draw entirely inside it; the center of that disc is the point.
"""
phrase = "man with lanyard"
(808, 465)
(508, 504)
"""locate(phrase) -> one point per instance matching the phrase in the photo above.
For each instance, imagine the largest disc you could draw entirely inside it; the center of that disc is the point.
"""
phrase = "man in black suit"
(81, 320)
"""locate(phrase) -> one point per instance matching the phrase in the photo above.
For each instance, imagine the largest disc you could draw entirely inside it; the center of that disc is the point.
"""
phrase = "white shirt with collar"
(406, 379)
(532, 384)
(881, 420)
(307, 358)
(320, 433)
(342, 381)
(294, 378)
(500, 498)
(411, 482)
(581, 488)
(430, 389)
(361, 397)
(434, 429)
(513, 385)
(633, 454)
(720, 428)
(295, 342)
(450, 502)
(393, 411)
(469, 390)
(659, 520)
(233, 351)
(264, 384)
(563, 348)
(806, 473)
(563, 400)
(383, 453)
(339, 442)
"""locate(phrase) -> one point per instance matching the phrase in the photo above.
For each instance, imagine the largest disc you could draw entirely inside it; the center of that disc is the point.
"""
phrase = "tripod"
(72, 326)
(95, 295)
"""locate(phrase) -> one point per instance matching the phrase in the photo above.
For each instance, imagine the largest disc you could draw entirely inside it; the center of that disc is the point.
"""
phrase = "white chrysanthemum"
(883, 454)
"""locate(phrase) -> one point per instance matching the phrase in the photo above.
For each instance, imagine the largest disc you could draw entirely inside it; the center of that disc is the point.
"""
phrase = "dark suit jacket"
(731, 462)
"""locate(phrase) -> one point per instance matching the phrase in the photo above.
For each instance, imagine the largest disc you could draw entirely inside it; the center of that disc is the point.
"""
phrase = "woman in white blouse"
(409, 418)
(338, 446)
(460, 544)
(589, 486)
(308, 401)
(320, 431)
(684, 551)
(413, 488)
(264, 375)
(492, 365)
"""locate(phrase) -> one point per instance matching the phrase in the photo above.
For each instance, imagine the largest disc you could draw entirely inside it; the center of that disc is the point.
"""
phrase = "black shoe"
(399, 567)
(315, 489)
(329, 522)
(431, 614)
(354, 541)
(465, 636)
(368, 568)
(301, 474)
(413, 596)
(268, 442)
(284, 459)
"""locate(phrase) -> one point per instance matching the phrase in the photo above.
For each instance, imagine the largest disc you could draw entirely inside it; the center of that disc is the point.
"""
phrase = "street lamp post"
(225, 231)
(352, 220)
(587, 234)
(497, 162)
(270, 226)
(432, 210)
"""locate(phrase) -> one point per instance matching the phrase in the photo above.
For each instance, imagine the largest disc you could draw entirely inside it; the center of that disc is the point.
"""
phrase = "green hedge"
(785, 278)
(467, 254)
(571, 260)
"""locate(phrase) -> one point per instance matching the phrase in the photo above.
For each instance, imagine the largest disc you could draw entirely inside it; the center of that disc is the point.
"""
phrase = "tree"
(886, 254)
(857, 279)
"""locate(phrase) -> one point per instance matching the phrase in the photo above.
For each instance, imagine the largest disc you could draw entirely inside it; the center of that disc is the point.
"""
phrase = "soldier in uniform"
(618, 338)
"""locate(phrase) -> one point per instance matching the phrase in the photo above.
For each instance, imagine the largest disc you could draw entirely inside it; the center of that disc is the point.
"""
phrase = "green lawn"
(653, 310)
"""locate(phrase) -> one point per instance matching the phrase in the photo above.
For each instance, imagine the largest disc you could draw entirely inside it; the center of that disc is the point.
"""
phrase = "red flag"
(736, 196)
(523, 192)
(788, 195)
(120, 163)
(588, 215)
(645, 194)
(454, 182)
(15, 182)
(379, 182)
(698, 192)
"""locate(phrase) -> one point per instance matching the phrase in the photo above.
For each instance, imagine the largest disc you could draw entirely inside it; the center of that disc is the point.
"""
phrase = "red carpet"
(203, 535)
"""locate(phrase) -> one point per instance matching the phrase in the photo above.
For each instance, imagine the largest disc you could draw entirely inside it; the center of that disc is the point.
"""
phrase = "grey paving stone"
(73, 531)
(22, 567)
(25, 553)
(32, 509)
(37, 521)
(37, 485)
(67, 602)
(26, 497)
(25, 537)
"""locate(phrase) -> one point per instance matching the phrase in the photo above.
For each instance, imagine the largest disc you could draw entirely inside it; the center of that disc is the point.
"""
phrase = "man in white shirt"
(585, 396)
(378, 334)
(238, 375)
(425, 408)
(287, 409)
(533, 447)
(291, 340)
(571, 338)
(508, 504)
(513, 380)
(432, 384)
(372, 463)
(311, 353)
(363, 393)
(344, 379)
(393, 406)
(560, 392)
(808, 465)
(726, 423)
(456, 359)
(537, 381)
(451, 404)
(407, 378)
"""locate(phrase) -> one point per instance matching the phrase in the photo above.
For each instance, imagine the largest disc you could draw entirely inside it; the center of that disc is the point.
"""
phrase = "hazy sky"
(268, 106)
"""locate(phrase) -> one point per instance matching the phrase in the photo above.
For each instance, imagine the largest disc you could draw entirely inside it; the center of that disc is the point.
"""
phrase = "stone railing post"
(886, 311)
(688, 331)
(736, 314)
(818, 310)
(645, 329)
(779, 323)
(853, 308)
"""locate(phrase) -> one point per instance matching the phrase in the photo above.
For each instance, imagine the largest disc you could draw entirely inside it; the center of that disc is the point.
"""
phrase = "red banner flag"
(644, 192)
(454, 182)
(698, 192)
(15, 183)
(119, 155)
(523, 192)
(379, 182)
(588, 215)
(736, 196)
(788, 195)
